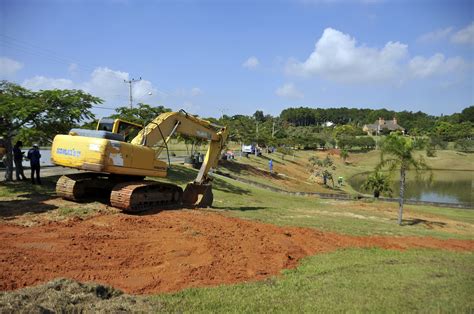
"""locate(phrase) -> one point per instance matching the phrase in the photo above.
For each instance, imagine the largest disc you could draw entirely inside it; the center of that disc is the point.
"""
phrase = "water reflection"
(446, 186)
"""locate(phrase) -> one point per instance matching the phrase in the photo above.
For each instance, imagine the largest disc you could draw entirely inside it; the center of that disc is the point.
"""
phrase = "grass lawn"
(348, 217)
(355, 280)
(351, 280)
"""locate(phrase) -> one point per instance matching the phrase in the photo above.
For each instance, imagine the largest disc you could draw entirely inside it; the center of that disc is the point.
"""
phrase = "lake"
(447, 186)
(45, 158)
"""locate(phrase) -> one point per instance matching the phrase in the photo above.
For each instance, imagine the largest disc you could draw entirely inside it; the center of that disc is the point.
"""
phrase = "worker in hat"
(34, 157)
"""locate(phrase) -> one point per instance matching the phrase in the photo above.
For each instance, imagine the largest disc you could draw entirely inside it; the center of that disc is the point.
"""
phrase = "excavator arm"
(158, 133)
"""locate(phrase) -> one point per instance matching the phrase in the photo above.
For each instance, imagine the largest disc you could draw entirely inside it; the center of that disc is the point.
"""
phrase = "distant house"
(382, 126)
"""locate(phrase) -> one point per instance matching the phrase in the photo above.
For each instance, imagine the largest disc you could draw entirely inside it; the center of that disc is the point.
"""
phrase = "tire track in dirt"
(171, 250)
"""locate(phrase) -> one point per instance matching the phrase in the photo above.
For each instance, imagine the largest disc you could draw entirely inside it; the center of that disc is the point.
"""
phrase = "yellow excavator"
(118, 167)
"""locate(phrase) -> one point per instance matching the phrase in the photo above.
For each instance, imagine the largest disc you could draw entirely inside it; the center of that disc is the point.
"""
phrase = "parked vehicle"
(250, 149)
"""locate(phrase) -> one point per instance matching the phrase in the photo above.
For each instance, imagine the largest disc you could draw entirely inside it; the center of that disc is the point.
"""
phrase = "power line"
(100, 107)
(52, 56)
(39, 51)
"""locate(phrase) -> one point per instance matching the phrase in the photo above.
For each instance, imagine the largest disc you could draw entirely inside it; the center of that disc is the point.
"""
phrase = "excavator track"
(145, 195)
(132, 195)
(73, 186)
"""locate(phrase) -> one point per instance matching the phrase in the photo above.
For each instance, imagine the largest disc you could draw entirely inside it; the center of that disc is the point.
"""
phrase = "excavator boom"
(158, 133)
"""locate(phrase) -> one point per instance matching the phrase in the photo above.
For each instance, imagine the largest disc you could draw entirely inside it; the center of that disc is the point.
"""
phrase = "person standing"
(34, 157)
(18, 159)
(270, 165)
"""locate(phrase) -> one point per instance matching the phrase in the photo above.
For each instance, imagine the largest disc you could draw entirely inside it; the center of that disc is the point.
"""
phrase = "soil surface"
(171, 250)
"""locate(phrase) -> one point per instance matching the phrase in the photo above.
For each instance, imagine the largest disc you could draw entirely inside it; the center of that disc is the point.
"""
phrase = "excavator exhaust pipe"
(198, 195)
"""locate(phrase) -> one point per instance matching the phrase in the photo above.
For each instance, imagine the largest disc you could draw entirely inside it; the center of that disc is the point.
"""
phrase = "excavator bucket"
(198, 195)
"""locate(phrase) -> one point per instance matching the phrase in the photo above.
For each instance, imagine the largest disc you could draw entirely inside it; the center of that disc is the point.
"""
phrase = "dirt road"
(170, 250)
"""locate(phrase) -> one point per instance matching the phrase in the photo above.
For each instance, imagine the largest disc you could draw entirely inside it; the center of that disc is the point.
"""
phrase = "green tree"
(430, 151)
(61, 111)
(90, 125)
(437, 142)
(242, 128)
(464, 145)
(283, 150)
(344, 154)
(468, 114)
(378, 183)
(195, 142)
(347, 131)
(397, 152)
(323, 168)
(39, 116)
(259, 116)
(346, 142)
(141, 114)
(365, 142)
(454, 131)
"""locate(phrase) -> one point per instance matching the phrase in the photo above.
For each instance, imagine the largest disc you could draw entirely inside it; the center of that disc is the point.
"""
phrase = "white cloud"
(104, 83)
(144, 91)
(436, 35)
(421, 67)
(110, 84)
(338, 57)
(190, 107)
(251, 63)
(289, 91)
(9, 67)
(196, 91)
(72, 68)
(41, 82)
(464, 36)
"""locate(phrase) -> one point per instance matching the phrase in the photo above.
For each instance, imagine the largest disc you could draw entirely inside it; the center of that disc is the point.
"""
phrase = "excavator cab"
(127, 129)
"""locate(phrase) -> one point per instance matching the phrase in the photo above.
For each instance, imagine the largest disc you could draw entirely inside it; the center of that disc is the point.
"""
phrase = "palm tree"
(344, 154)
(378, 183)
(400, 150)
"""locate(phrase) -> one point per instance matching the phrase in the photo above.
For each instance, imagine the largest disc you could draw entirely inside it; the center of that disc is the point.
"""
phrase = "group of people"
(33, 156)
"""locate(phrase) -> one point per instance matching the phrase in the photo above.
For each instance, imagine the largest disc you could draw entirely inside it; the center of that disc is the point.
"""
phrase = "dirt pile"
(170, 251)
(69, 296)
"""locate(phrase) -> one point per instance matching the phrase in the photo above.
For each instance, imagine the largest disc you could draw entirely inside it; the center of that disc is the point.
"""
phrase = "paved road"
(46, 171)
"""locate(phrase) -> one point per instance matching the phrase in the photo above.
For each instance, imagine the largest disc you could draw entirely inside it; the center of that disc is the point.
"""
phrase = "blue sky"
(235, 57)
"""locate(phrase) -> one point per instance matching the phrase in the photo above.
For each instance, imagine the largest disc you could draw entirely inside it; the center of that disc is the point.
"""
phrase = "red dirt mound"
(170, 251)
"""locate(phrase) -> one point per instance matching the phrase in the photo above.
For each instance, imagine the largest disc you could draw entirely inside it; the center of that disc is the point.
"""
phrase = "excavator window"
(105, 125)
(128, 130)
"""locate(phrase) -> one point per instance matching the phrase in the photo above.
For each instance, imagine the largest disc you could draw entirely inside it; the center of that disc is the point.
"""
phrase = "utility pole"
(256, 129)
(129, 82)
(223, 110)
